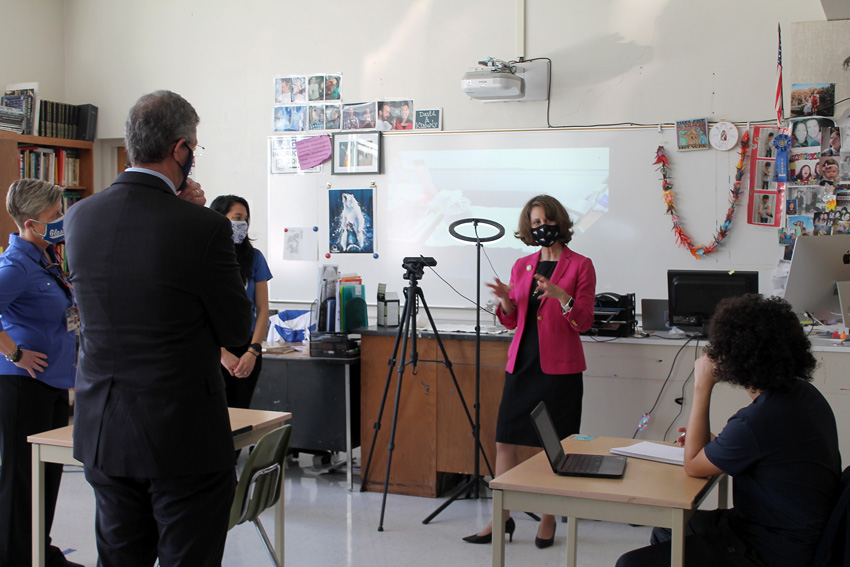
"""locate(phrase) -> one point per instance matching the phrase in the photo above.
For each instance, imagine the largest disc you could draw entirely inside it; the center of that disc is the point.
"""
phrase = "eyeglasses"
(199, 150)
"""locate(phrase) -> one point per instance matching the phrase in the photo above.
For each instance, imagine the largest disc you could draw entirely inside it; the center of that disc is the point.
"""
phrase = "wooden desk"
(649, 493)
(57, 446)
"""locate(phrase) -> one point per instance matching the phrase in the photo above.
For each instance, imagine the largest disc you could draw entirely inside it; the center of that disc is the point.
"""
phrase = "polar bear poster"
(350, 221)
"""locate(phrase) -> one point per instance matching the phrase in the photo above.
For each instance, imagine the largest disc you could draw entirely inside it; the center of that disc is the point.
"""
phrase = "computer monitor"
(693, 295)
(817, 264)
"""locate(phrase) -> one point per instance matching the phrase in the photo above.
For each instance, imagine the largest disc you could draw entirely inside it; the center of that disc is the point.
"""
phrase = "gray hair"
(28, 198)
(157, 121)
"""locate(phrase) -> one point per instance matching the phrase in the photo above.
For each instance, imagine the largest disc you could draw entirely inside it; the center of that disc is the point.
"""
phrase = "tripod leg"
(391, 445)
(402, 332)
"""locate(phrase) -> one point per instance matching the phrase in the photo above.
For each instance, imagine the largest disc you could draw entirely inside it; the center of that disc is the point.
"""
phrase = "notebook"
(660, 452)
(573, 464)
(653, 314)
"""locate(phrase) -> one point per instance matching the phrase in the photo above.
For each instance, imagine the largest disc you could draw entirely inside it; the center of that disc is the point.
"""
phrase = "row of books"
(59, 166)
(58, 119)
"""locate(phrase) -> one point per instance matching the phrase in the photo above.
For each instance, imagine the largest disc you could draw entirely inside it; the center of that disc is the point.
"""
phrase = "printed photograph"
(813, 99)
(359, 116)
(283, 90)
(765, 141)
(801, 223)
(764, 208)
(290, 118)
(333, 113)
(806, 133)
(351, 221)
(316, 88)
(828, 171)
(803, 169)
(790, 207)
(765, 169)
(332, 87)
(316, 112)
(831, 143)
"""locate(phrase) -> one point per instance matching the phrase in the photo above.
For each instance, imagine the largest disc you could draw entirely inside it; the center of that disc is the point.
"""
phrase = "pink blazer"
(560, 344)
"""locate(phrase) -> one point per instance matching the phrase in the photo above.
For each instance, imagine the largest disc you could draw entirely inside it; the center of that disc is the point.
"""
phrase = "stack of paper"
(660, 452)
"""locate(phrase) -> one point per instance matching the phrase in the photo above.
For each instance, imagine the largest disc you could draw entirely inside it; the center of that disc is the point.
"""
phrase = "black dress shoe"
(510, 526)
(544, 543)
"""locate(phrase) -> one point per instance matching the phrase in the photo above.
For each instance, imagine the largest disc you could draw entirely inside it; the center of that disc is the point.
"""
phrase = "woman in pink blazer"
(549, 302)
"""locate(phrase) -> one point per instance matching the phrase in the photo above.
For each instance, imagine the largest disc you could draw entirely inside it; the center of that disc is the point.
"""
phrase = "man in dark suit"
(159, 293)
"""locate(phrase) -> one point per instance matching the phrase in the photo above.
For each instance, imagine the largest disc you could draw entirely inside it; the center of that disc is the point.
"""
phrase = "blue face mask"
(240, 231)
(187, 168)
(53, 231)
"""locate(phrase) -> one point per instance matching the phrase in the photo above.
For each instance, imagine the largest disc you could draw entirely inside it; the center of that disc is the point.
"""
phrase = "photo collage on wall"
(314, 103)
(765, 203)
(816, 196)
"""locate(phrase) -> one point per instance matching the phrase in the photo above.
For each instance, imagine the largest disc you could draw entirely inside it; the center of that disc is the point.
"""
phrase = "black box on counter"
(333, 345)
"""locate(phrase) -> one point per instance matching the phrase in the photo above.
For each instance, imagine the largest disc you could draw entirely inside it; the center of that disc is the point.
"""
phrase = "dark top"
(528, 357)
(159, 292)
(782, 451)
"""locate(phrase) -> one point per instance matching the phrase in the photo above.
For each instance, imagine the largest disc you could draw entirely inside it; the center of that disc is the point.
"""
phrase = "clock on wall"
(723, 136)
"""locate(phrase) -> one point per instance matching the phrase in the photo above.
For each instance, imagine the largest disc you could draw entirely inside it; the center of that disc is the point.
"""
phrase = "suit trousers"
(27, 406)
(182, 520)
(709, 542)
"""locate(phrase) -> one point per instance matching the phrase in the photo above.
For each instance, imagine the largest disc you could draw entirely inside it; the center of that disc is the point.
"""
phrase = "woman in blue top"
(38, 344)
(241, 366)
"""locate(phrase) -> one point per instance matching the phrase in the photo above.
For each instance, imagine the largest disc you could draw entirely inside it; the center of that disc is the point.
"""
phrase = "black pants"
(181, 520)
(239, 391)
(27, 406)
(709, 542)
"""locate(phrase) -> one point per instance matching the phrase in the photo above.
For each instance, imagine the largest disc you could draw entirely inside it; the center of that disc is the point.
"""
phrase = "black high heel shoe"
(544, 543)
(510, 527)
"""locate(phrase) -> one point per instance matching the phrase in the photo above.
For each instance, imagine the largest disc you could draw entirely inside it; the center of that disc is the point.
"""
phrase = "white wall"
(32, 42)
(613, 61)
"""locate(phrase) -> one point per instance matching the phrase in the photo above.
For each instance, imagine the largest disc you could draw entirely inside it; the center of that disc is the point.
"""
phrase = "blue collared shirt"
(32, 312)
(156, 173)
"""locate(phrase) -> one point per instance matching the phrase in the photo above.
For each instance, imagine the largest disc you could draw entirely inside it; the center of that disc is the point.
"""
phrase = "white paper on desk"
(653, 452)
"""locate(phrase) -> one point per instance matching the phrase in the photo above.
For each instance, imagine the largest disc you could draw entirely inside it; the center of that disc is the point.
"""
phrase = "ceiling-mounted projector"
(487, 84)
(497, 80)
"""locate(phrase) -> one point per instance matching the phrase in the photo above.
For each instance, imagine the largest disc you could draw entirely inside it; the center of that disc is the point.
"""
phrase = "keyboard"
(582, 464)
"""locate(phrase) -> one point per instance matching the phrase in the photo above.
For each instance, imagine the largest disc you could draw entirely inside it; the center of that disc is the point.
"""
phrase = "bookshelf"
(10, 169)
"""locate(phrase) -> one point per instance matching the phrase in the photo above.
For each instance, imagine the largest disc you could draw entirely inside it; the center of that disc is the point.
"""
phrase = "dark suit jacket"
(159, 291)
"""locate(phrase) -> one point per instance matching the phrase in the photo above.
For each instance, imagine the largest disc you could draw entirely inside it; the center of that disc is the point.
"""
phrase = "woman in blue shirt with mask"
(241, 367)
(38, 344)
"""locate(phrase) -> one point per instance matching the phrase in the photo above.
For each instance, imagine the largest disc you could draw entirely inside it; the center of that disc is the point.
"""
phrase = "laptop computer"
(573, 464)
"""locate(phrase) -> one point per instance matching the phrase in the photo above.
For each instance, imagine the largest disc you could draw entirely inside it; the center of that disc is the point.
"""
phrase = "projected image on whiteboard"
(430, 189)
(351, 214)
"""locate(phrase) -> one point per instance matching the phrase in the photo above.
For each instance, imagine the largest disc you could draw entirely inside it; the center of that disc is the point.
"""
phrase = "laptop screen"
(548, 436)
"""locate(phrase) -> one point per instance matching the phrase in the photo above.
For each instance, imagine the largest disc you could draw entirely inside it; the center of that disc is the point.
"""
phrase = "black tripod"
(413, 293)
(471, 488)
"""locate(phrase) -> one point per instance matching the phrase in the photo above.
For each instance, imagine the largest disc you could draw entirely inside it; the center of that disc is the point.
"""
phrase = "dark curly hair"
(758, 343)
(554, 210)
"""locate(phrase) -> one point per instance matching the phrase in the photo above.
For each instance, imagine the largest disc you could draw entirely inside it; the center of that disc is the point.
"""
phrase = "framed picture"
(356, 152)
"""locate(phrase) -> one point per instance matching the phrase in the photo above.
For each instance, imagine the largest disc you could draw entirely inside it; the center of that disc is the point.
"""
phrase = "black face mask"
(546, 235)
(187, 168)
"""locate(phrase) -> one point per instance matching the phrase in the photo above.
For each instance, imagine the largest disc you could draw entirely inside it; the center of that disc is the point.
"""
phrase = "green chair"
(259, 485)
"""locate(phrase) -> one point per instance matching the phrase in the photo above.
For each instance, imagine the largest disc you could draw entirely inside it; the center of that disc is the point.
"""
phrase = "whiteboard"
(605, 177)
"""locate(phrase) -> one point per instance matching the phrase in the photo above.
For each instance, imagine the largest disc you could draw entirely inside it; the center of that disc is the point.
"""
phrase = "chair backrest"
(259, 485)
(834, 548)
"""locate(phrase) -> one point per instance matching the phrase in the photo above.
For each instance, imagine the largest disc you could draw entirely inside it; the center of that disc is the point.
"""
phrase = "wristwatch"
(256, 348)
(15, 355)
(567, 307)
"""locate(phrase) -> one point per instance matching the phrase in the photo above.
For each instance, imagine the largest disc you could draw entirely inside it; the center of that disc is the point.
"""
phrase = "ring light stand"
(470, 488)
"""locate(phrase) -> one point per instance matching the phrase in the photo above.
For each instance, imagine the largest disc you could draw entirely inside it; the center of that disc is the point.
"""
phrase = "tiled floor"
(327, 525)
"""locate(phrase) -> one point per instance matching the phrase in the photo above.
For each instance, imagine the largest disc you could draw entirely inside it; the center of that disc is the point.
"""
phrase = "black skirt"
(527, 386)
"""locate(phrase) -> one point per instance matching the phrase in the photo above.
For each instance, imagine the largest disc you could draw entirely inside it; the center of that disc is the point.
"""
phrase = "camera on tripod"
(415, 266)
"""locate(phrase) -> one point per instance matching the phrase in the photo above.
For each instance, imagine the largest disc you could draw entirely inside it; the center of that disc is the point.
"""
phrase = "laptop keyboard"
(582, 464)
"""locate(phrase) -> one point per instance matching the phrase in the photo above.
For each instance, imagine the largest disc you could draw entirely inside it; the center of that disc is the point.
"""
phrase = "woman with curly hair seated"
(781, 450)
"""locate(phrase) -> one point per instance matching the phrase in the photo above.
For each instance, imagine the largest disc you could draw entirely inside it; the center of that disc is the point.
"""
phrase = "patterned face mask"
(546, 234)
(240, 231)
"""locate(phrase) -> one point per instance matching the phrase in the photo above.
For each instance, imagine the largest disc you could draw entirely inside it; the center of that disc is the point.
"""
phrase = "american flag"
(779, 109)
